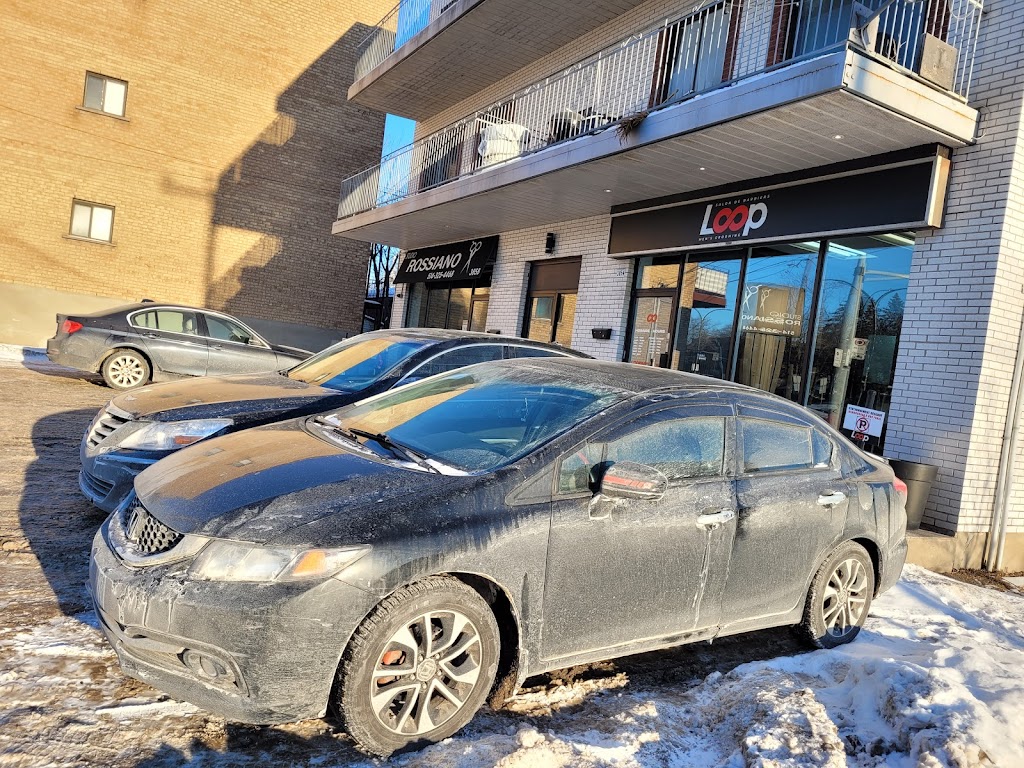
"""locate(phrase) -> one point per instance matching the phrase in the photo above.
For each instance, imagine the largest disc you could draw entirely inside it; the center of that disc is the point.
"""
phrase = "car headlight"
(236, 561)
(172, 435)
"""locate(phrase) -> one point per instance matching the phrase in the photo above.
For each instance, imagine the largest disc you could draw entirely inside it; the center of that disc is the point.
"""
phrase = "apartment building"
(185, 152)
(819, 198)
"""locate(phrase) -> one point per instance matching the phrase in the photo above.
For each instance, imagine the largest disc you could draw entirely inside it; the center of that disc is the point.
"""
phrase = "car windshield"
(356, 363)
(479, 418)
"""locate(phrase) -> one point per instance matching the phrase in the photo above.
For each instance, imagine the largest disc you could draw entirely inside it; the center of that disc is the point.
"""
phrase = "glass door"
(652, 330)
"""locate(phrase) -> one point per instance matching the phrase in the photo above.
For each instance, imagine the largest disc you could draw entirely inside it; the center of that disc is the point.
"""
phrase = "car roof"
(624, 376)
(440, 335)
(125, 309)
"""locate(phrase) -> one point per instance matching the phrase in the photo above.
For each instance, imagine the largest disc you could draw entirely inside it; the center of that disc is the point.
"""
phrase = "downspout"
(1007, 453)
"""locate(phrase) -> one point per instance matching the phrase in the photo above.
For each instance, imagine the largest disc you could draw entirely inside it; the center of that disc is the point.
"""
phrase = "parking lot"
(65, 701)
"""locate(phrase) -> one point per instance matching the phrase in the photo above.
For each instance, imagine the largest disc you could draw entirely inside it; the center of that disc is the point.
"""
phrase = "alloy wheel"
(845, 597)
(126, 371)
(426, 672)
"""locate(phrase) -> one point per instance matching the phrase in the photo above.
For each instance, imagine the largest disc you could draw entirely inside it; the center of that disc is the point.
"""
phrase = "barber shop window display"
(817, 322)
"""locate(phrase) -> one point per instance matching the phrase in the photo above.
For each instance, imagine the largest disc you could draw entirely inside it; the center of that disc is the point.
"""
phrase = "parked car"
(144, 342)
(137, 428)
(404, 558)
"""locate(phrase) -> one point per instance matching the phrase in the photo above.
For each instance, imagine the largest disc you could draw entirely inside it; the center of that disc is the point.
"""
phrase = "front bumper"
(252, 653)
(106, 479)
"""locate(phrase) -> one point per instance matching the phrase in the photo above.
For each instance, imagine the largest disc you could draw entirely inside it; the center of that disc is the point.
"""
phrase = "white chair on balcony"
(500, 142)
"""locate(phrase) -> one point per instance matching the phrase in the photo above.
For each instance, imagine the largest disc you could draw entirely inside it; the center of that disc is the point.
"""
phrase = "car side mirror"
(630, 480)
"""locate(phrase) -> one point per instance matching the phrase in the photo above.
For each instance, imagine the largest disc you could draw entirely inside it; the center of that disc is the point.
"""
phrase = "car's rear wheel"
(125, 369)
(418, 667)
(839, 598)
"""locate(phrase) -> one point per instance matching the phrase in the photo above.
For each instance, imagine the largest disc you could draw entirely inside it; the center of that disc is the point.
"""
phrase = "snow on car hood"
(260, 483)
(218, 396)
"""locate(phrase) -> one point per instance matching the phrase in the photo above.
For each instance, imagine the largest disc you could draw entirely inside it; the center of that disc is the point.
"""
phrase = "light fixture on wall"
(549, 243)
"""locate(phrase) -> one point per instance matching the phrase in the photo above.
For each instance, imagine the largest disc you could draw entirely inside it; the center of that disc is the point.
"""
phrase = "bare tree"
(381, 272)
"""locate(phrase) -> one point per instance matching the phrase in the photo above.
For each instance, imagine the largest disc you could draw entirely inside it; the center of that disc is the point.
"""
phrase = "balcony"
(427, 55)
(721, 95)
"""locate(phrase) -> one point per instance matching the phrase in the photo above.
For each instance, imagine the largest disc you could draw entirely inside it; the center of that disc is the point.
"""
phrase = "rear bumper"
(58, 353)
(892, 565)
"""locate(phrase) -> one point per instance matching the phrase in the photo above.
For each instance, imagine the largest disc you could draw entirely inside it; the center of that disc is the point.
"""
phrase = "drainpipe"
(1005, 475)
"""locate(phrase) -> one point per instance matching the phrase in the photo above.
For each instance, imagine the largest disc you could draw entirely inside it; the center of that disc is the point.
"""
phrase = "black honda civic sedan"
(140, 427)
(404, 559)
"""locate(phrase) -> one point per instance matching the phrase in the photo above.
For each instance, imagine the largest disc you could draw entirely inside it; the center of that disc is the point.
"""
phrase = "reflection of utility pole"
(843, 354)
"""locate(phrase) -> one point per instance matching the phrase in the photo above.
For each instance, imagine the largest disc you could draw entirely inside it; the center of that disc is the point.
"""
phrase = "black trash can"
(919, 479)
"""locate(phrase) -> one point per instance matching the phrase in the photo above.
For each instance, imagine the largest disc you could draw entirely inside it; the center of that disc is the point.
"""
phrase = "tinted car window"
(680, 448)
(575, 475)
(225, 330)
(358, 362)
(457, 358)
(479, 419)
(769, 445)
(822, 447)
(170, 320)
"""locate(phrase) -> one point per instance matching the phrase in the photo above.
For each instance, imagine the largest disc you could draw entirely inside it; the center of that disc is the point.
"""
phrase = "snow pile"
(934, 680)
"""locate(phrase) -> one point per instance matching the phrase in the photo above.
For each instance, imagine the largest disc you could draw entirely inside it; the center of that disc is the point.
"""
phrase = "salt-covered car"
(404, 559)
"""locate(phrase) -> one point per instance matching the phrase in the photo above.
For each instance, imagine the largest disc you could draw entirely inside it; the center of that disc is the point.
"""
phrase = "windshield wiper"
(338, 430)
(395, 447)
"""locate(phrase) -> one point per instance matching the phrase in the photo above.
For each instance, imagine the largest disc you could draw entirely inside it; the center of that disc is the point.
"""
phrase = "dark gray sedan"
(143, 342)
(405, 558)
(140, 427)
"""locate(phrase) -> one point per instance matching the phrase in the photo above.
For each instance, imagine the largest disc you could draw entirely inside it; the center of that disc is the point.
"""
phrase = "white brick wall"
(965, 300)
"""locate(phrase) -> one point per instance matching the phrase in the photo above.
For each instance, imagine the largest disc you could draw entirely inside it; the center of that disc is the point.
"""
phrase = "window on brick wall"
(105, 94)
(92, 221)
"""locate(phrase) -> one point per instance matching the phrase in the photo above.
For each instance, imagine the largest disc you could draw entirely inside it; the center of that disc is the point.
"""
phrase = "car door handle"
(831, 498)
(216, 346)
(715, 519)
(151, 336)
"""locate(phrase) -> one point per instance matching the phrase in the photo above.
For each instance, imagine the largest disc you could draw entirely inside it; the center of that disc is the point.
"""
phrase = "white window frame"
(103, 108)
(76, 202)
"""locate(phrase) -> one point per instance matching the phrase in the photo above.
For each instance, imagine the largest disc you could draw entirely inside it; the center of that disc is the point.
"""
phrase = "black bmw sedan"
(403, 560)
(140, 427)
(138, 343)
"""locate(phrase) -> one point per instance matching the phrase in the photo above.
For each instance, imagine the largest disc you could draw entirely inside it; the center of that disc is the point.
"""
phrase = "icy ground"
(934, 680)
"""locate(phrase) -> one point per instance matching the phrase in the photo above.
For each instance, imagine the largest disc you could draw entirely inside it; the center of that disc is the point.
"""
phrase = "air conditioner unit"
(937, 61)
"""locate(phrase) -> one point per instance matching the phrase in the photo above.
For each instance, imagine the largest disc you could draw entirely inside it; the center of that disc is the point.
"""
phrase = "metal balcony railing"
(718, 42)
(402, 22)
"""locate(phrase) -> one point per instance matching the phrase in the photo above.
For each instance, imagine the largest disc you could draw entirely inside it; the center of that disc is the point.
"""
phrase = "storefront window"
(551, 301)
(746, 315)
(774, 318)
(461, 306)
(860, 315)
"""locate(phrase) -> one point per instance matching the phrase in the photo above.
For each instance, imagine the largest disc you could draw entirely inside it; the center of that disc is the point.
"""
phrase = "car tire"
(839, 598)
(416, 705)
(125, 369)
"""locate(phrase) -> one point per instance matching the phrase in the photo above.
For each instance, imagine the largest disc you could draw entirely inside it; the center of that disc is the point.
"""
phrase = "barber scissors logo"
(474, 247)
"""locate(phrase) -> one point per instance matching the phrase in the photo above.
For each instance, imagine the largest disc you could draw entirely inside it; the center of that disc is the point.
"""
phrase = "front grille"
(147, 535)
(95, 486)
(104, 426)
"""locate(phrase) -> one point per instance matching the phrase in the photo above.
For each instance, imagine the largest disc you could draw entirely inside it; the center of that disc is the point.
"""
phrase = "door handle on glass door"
(831, 498)
(715, 519)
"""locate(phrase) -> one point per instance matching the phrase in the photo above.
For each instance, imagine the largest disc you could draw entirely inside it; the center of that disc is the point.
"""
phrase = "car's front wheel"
(418, 667)
(839, 598)
(125, 369)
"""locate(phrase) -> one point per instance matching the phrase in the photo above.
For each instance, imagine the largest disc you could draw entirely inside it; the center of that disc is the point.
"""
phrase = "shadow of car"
(140, 427)
(138, 343)
(403, 559)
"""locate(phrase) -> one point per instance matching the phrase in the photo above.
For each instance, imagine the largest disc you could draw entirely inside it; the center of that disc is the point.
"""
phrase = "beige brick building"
(217, 133)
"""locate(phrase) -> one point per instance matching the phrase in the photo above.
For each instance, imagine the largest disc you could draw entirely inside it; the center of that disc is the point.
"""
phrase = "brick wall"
(226, 171)
(964, 303)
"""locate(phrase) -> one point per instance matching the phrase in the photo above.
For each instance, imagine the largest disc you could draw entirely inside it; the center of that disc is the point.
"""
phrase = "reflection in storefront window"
(860, 315)
(774, 317)
(706, 316)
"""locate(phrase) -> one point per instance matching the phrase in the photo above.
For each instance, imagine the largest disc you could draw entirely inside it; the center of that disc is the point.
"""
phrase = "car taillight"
(70, 326)
(901, 488)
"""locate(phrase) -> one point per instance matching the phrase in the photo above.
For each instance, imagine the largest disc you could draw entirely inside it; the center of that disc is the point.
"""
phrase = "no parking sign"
(864, 420)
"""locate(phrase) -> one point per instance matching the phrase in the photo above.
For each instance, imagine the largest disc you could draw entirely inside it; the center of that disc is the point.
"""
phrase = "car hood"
(261, 484)
(242, 396)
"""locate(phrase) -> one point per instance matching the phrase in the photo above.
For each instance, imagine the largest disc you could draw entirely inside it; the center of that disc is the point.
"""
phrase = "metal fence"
(715, 43)
(402, 22)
